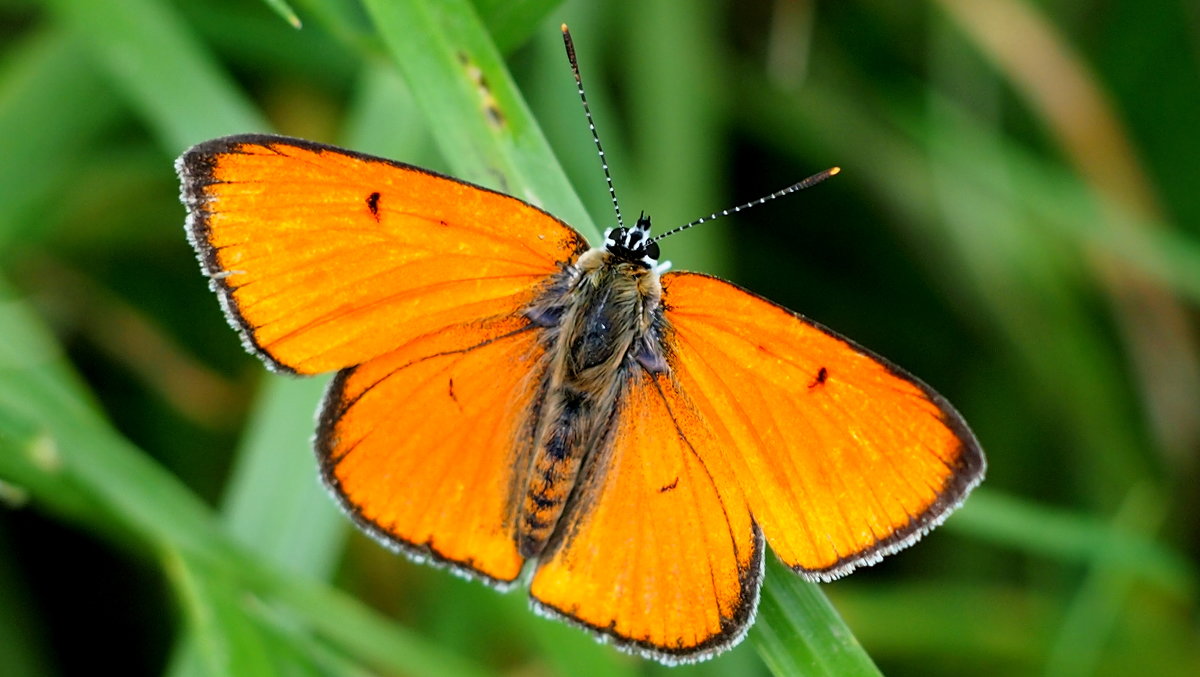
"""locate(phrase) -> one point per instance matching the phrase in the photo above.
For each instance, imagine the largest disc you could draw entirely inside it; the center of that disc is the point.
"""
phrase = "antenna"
(591, 125)
(806, 183)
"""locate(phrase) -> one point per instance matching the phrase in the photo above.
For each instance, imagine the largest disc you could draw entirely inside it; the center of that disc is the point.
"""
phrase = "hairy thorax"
(601, 321)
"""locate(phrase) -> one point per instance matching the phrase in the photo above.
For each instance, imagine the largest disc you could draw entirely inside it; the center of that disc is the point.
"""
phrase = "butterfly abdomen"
(596, 320)
(557, 460)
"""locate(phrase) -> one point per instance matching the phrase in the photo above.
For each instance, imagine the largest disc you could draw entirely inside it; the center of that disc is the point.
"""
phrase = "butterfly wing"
(420, 444)
(660, 555)
(413, 285)
(842, 456)
(325, 258)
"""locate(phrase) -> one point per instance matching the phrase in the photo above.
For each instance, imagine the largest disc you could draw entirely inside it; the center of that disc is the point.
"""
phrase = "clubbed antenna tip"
(591, 125)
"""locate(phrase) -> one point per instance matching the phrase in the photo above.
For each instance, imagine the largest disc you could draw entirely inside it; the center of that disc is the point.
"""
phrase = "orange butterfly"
(508, 398)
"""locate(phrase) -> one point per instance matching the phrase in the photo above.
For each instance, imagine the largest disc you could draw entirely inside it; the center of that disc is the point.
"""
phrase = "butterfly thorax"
(602, 323)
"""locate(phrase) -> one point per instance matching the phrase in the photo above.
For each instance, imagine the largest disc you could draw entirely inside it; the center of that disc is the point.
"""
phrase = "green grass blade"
(234, 633)
(677, 98)
(227, 641)
(343, 19)
(512, 22)
(162, 70)
(383, 118)
(800, 633)
(274, 504)
(284, 10)
(1093, 614)
(46, 74)
(1058, 534)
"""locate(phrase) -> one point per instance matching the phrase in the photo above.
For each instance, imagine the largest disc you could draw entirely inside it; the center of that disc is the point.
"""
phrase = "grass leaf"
(799, 633)
(284, 10)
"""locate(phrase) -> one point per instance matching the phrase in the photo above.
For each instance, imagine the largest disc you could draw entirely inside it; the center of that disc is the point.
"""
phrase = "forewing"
(325, 258)
(658, 554)
(843, 457)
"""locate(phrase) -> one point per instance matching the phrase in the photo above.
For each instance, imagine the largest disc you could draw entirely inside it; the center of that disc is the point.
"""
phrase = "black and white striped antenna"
(591, 125)
(806, 183)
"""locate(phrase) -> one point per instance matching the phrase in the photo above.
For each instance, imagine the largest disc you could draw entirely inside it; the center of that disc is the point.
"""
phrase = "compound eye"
(652, 250)
(617, 235)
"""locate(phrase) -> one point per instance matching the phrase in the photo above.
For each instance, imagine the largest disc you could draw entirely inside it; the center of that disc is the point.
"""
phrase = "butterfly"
(509, 399)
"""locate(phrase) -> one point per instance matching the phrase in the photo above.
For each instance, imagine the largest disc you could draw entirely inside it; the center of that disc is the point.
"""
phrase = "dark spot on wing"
(821, 377)
(373, 204)
(674, 483)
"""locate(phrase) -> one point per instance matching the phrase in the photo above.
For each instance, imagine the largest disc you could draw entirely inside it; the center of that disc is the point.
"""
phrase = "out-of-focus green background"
(1016, 222)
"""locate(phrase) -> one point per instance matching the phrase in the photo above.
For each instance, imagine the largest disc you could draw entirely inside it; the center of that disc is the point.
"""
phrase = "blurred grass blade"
(176, 87)
(46, 75)
(1093, 614)
(274, 504)
(1030, 281)
(163, 71)
(1059, 534)
(284, 10)
(377, 642)
(1003, 627)
(1055, 82)
(345, 20)
(1061, 90)
(800, 633)
(227, 641)
(676, 99)
(235, 633)
(512, 22)
(1158, 251)
(383, 118)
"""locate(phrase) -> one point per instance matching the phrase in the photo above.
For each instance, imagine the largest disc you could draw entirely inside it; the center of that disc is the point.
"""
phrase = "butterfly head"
(633, 244)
